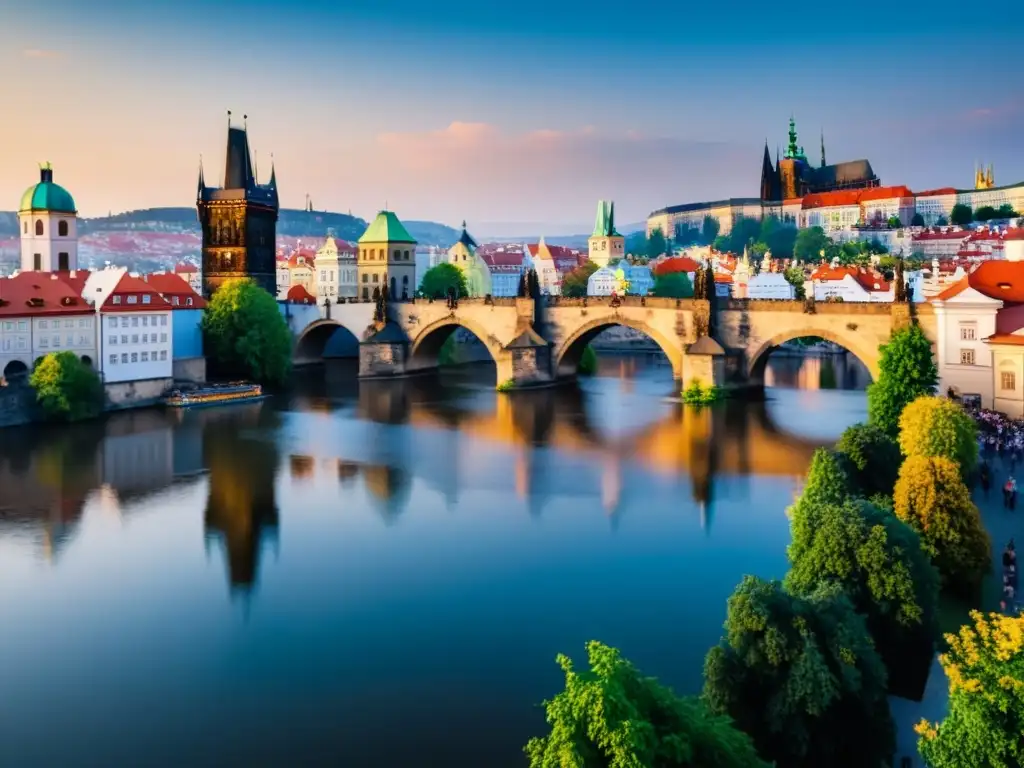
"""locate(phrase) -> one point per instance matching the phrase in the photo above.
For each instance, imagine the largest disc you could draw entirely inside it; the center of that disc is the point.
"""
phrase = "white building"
(505, 263)
(965, 317)
(135, 337)
(855, 284)
(48, 224)
(769, 285)
(334, 270)
(640, 278)
(602, 282)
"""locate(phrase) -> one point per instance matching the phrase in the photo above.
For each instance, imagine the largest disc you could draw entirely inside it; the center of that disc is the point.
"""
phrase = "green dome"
(47, 196)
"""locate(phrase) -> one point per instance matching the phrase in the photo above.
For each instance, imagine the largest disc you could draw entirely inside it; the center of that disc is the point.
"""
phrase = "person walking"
(1013, 493)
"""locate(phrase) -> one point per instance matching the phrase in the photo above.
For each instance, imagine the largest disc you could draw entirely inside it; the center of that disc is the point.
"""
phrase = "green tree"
(656, 244)
(984, 724)
(917, 220)
(961, 215)
(827, 482)
(673, 285)
(907, 370)
(245, 334)
(612, 717)
(574, 284)
(66, 388)
(942, 221)
(810, 243)
(709, 230)
(894, 222)
(588, 362)
(636, 244)
(778, 237)
(745, 231)
(1005, 211)
(686, 235)
(801, 676)
(437, 281)
(935, 426)
(985, 213)
(878, 562)
(872, 459)
(931, 497)
(795, 276)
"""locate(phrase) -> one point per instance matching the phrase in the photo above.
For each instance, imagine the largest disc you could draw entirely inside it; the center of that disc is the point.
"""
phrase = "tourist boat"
(215, 394)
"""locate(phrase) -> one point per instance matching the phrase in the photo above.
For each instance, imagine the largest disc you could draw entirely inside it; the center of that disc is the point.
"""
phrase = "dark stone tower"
(239, 221)
(770, 187)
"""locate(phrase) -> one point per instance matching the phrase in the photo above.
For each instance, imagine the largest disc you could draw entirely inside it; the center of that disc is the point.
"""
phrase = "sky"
(514, 117)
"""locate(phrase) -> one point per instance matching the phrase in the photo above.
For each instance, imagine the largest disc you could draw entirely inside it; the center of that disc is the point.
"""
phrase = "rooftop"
(386, 228)
(29, 294)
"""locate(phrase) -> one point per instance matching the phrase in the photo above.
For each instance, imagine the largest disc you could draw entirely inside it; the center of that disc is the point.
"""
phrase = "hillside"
(292, 223)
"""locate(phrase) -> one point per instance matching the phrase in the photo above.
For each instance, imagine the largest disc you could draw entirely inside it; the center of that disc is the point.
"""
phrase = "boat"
(214, 394)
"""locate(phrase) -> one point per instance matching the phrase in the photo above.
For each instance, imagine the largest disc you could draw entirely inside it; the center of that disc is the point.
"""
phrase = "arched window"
(406, 255)
(398, 254)
(39, 227)
(62, 228)
(405, 279)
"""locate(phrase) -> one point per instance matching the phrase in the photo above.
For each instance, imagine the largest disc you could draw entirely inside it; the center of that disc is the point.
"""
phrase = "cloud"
(478, 171)
(41, 53)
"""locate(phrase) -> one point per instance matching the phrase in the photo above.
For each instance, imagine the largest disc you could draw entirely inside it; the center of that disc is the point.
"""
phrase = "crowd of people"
(1001, 439)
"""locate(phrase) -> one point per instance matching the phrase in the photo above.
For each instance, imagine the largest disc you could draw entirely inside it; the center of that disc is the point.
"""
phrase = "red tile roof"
(38, 294)
(130, 295)
(675, 264)
(1003, 280)
(854, 196)
(74, 279)
(1014, 234)
(176, 290)
(868, 279)
(184, 268)
(939, 191)
(502, 261)
(298, 294)
(942, 235)
(1006, 338)
(305, 254)
(953, 289)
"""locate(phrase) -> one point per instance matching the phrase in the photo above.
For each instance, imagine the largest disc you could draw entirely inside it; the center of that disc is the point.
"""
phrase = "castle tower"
(606, 244)
(387, 256)
(48, 223)
(239, 220)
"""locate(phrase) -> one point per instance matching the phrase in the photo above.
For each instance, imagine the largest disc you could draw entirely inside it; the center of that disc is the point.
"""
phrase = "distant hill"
(292, 222)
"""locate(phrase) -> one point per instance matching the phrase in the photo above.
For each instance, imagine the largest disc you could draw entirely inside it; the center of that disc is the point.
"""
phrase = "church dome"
(46, 195)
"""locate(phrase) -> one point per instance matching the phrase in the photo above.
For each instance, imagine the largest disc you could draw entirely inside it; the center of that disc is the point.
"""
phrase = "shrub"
(66, 388)
(700, 394)
(935, 426)
(588, 362)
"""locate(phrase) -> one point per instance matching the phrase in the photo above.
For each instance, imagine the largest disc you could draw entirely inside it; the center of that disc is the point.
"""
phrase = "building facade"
(476, 271)
(606, 245)
(187, 310)
(386, 257)
(238, 221)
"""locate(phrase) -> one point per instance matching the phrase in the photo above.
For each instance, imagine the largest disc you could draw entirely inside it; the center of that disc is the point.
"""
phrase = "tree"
(878, 562)
(709, 230)
(931, 497)
(438, 281)
(984, 724)
(795, 276)
(906, 372)
(673, 285)
(961, 215)
(942, 221)
(686, 234)
(801, 676)
(810, 243)
(777, 236)
(872, 459)
(917, 220)
(656, 244)
(612, 717)
(935, 426)
(574, 284)
(826, 483)
(66, 388)
(245, 334)
(1005, 211)
(636, 243)
(894, 222)
(985, 213)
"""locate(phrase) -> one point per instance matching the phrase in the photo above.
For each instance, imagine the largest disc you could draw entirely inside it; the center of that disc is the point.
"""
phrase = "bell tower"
(238, 220)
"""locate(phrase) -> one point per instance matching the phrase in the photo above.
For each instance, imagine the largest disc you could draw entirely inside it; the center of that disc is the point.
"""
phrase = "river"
(380, 574)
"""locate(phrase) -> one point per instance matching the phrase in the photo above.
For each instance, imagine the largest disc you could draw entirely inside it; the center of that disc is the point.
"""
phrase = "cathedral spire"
(202, 181)
(823, 163)
(792, 150)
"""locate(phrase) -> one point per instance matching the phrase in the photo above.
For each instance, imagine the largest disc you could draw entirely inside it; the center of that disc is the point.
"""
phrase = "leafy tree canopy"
(674, 285)
(917, 220)
(810, 242)
(878, 561)
(961, 215)
(984, 727)
(612, 717)
(872, 459)
(709, 230)
(795, 276)
(66, 388)
(245, 334)
(574, 284)
(907, 371)
(437, 281)
(801, 676)
(656, 244)
(931, 497)
(935, 426)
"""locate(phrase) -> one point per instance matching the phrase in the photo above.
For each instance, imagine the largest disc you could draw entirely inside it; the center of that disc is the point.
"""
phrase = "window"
(145, 320)
(117, 299)
(1008, 380)
(406, 255)
(124, 357)
(145, 338)
(146, 298)
(968, 332)
(163, 318)
(69, 323)
(174, 301)
(43, 342)
(135, 338)
(135, 322)
(188, 303)
(62, 230)
(124, 322)
(366, 277)
(56, 341)
(124, 339)
(42, 325)
(163, 354)
(37, 262)
(145, 357)
(113, 359)
(966, 355)
(163, 337)
(63, 261)
(9, 326)
(69, 340)
(135, 357)
(133, 299)
(112, 340)
(23, 325)
(39, 227)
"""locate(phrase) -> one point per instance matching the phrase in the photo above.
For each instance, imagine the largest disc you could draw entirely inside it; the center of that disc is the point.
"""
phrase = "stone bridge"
(534, 345)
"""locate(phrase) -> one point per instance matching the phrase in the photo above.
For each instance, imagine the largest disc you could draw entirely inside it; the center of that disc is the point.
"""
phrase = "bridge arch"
(425, 349)
(853, 344)
(325, 338)
(567, 355)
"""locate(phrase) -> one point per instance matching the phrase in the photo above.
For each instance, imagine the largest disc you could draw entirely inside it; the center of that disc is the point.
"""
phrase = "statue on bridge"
(380, 311)
(899, 295)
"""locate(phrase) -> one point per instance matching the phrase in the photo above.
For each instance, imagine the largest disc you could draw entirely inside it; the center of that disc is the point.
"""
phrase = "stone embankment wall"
(17, 404)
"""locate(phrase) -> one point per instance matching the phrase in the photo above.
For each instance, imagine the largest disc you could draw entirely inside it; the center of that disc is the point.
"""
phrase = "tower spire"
(202, 181)
(823, 163)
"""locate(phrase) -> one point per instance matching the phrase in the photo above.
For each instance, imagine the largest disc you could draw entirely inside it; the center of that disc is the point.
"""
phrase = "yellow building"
(387, 256)
(606, 245)
(464, 256)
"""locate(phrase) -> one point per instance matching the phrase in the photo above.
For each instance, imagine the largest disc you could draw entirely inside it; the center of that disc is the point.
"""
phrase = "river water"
(380, 574)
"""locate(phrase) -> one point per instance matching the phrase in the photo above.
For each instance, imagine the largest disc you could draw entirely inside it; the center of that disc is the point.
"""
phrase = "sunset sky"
(514, 116)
